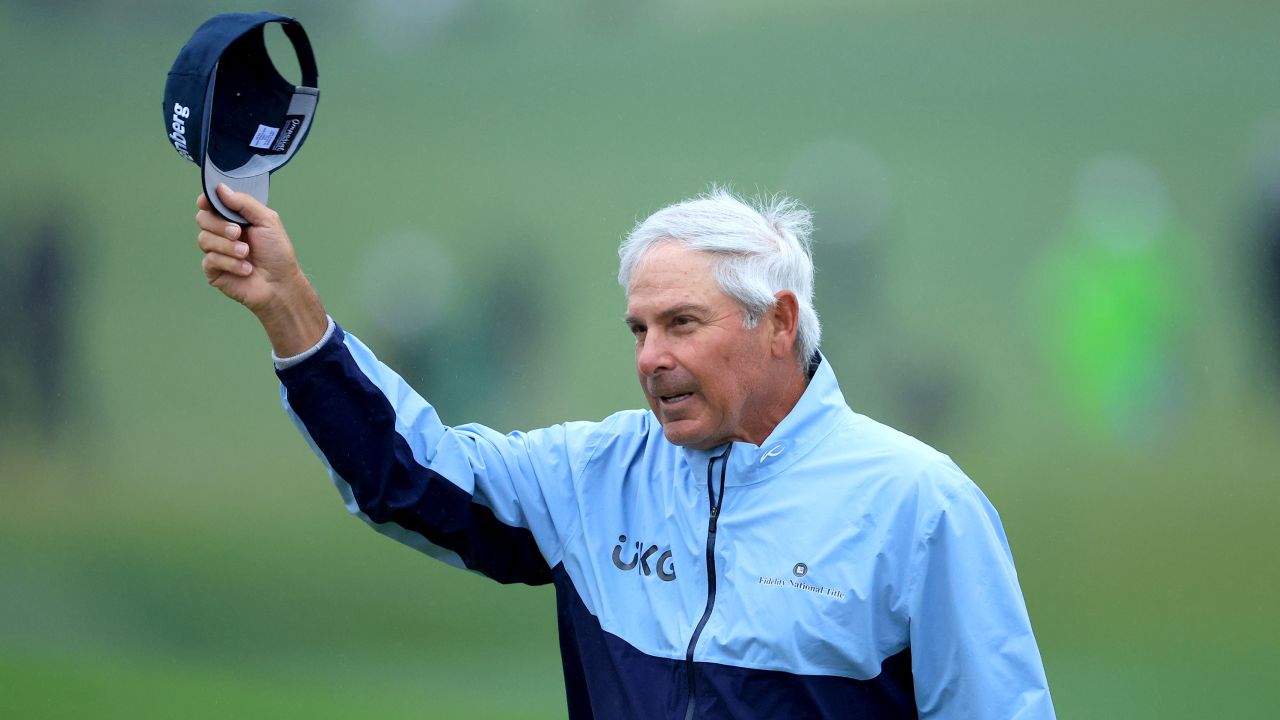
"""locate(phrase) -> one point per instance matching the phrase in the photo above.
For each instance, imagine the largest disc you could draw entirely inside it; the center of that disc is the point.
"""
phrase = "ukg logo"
(640, 557)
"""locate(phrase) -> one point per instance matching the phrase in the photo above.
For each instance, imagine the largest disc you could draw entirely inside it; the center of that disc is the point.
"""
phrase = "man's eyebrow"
(670, 312)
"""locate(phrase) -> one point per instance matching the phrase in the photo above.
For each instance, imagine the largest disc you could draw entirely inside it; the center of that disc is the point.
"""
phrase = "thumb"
(247, 205)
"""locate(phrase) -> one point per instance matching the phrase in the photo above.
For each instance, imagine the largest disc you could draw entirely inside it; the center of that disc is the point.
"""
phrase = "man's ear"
(785, 316)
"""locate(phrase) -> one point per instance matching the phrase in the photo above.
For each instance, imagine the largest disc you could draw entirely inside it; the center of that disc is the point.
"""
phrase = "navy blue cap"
(228, 110)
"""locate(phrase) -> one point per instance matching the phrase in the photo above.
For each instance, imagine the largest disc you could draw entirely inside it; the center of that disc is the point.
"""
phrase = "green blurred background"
(1039, 245)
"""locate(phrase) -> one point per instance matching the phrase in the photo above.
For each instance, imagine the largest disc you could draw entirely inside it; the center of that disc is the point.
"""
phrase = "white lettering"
(179, 134)
(286, 134)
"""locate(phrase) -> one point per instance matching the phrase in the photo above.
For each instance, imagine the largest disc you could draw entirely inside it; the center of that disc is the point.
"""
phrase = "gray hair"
(760, 250)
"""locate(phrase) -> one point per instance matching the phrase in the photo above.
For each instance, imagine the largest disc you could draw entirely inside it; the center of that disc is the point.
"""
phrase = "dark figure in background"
(1267, 273)
(47, 292)
(40, 300)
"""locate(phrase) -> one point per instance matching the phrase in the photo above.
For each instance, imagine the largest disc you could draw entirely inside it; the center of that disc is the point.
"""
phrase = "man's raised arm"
(469, 496)
(255, 265)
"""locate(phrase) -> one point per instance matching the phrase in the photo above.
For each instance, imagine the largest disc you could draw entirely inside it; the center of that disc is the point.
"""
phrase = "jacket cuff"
(288, 362)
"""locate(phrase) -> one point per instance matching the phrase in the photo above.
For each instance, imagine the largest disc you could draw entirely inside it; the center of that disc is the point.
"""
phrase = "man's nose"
(653, 355)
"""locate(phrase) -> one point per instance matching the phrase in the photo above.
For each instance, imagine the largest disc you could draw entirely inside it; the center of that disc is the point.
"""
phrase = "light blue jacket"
(840, 569)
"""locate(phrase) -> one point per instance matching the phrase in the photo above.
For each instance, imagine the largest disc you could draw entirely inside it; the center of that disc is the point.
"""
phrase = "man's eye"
(681, 321)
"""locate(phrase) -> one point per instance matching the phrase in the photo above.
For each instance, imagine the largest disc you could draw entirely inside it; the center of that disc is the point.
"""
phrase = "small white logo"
(774, 451)
(800, 570)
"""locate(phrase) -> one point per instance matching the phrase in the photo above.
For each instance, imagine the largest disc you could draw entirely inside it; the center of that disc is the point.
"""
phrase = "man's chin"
(675, 434)
(680, 433)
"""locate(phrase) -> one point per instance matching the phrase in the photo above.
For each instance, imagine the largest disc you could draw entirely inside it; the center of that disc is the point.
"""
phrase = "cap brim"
(256, 185)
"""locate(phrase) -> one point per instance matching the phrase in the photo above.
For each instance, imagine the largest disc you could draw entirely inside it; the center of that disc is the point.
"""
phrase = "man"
(747, 548)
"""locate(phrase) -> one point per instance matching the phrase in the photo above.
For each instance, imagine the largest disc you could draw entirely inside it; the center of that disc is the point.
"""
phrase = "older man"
(748, 548)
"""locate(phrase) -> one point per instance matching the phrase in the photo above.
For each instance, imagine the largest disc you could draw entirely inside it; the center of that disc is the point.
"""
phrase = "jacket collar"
(814, 416)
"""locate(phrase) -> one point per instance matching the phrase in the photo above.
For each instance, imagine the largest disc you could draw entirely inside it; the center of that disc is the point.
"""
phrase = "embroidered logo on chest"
(797, 582)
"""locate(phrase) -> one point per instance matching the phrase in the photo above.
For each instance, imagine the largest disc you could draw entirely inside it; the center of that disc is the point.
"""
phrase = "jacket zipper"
(715, 499)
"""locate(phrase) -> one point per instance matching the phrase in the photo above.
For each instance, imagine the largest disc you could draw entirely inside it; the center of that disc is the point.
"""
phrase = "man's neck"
(784, 400)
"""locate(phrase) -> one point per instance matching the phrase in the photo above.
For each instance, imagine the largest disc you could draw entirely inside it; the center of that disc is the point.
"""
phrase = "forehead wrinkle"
(671, 279)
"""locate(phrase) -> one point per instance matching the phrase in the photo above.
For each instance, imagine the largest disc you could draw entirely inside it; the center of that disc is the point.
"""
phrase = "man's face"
(706, 377)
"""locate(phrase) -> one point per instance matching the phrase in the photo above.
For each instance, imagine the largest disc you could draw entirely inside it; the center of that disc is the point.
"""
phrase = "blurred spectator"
(1264, 260)
(904, 380)
(446, 332)
(1110, 310)
(39, 314)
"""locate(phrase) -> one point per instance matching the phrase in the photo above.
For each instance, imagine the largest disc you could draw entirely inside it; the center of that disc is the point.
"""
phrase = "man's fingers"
(214, 243)
(215, 264)
(212, 222)
(248, 206)
(203, 203)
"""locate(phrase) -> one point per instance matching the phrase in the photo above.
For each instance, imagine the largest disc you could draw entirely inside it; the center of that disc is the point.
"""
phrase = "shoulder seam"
(927, 532)
(593, 447)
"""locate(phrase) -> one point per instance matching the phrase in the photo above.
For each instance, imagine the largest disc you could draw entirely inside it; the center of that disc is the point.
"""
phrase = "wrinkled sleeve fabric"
(498, 504)
(972, 649)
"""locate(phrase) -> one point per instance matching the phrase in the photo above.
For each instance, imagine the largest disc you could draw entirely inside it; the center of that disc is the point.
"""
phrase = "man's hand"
(256, 266)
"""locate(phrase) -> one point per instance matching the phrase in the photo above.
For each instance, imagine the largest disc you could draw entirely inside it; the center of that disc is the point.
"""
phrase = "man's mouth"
(673, 399)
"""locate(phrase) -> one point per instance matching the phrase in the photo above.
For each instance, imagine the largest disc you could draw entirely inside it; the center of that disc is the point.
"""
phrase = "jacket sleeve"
(972, 650)
(475, 498)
